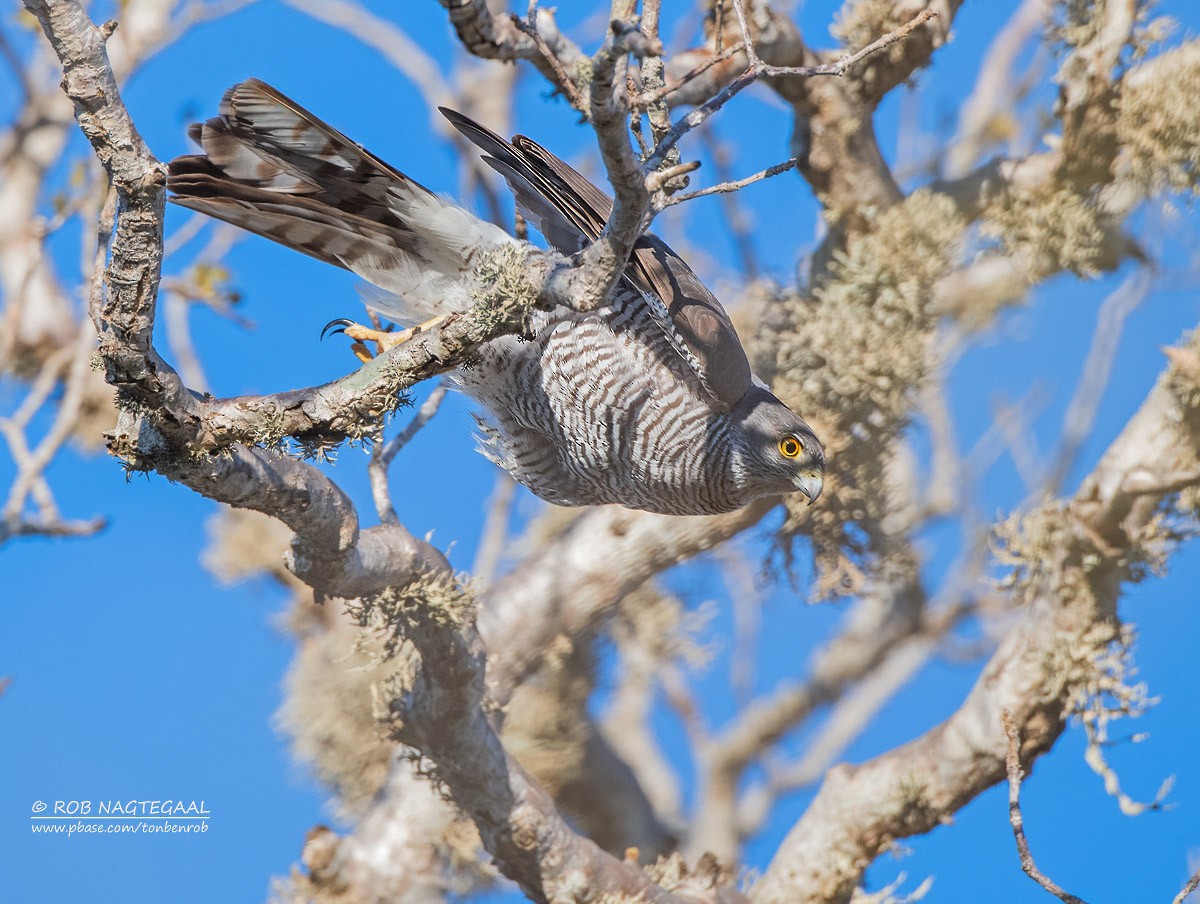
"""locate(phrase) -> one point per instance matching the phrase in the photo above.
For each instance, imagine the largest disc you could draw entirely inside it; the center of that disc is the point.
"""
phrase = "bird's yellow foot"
(384, 339)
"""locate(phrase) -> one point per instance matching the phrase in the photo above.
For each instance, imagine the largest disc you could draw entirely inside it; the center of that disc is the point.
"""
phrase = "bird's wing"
(571, 212)
(273, 168)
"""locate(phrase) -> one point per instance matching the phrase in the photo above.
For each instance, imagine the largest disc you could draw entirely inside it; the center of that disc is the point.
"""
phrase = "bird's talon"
(363, 334)
(385, 339)
(334, 327)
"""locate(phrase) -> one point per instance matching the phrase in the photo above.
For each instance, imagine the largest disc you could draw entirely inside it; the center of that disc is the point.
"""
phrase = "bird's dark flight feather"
(570, 212)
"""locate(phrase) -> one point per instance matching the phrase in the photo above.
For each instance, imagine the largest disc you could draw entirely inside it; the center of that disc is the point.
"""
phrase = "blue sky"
(136, 675)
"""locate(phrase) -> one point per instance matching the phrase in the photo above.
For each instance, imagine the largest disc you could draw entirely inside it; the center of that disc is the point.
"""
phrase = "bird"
(648, 402)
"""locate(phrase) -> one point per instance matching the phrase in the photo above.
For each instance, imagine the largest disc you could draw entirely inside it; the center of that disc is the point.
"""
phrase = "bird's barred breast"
(597, 409)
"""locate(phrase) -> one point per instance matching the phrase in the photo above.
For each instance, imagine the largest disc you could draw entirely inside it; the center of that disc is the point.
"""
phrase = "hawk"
(648, 402)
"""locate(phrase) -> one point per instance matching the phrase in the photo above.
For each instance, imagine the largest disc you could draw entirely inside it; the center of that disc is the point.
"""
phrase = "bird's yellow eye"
(790, 446)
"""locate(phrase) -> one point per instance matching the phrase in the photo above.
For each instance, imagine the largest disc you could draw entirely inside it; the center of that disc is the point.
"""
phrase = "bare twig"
(191, 228)
(843, 65)
(40, 527)
(190, 15)
(13, 59)
(493, 35)
(627, 723)
(384, 454)
(652, 74)
(562, 80)
(1140, 484)
(32, 463)
(747, 602)
(948, 477)
(682, 701)
(661, 93)
(736, 219)
(758, 70)
(1015, 775)
(726, 187)
(1192, 884)
(1012, 420)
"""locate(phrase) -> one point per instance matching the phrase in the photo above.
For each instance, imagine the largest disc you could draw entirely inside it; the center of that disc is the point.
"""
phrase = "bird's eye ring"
(790, 446)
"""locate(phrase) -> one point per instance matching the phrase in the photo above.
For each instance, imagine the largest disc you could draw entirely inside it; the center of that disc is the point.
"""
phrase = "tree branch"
(1013, 763)
(1192, 884)
(1071, 619)
(493, 36)
(758, 69)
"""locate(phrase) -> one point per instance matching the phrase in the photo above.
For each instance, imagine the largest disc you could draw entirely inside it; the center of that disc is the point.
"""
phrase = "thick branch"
(443, 715)
(1071, 617)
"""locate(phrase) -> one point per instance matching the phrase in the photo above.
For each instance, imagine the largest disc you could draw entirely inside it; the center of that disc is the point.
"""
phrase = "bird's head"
(779, 453)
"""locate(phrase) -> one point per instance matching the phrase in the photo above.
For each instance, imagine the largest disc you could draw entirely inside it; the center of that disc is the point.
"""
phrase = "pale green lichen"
(863, 342)
(861, 348)
(328, 713)
(860, 23)
(1158, 112)
(585, 71)
(1092, 670)
(866, 21)
(505, 292)
(1078, 23)
(1032, 545)
(1050, 228)
(300, 888)
(672, 874)
(1108, 693)
(348, 685)
(431, 603)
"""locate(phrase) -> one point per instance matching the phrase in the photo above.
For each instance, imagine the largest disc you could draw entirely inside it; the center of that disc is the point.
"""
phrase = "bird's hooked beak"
(810, 484)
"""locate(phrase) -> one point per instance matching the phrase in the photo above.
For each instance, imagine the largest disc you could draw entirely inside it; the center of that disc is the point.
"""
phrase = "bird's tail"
(271, 167)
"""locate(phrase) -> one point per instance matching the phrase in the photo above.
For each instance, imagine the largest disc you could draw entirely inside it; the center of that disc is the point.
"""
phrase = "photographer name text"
(176, 809)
